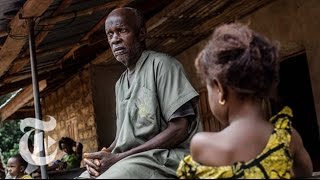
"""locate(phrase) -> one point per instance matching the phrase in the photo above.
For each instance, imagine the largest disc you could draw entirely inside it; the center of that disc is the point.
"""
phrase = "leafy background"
(10, 135)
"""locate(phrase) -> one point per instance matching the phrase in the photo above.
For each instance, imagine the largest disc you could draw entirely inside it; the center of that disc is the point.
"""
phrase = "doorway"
(295, 91)
(104, 78)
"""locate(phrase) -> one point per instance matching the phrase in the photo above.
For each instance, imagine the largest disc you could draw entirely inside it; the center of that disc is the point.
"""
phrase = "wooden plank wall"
(209, 122)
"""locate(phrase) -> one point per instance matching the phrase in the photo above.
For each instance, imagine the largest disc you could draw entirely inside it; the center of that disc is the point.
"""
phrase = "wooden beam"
(64, 5)
(22, 113)
(162, 16)
(151, 24)
(6, 88)
(20, 100)
(93, 30)
(12, 79)
(19, 64)
(3, 34)
(89, 11)
(25, 75)
(229, 11)
(12, 47)
(58, 72)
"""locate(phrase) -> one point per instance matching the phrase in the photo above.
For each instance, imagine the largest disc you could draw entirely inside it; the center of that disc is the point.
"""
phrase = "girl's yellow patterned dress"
(275, 161)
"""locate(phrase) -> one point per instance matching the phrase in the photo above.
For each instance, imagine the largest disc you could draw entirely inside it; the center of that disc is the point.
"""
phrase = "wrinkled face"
(14, 168)
(123, 37)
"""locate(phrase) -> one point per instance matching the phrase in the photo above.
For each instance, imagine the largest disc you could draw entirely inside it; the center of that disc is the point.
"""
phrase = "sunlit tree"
(10, 135)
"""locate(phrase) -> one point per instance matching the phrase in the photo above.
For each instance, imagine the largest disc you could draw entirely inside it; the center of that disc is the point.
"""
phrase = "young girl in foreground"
(240, 69)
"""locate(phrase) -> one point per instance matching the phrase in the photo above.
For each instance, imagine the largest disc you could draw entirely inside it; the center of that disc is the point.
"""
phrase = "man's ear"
(142, 34)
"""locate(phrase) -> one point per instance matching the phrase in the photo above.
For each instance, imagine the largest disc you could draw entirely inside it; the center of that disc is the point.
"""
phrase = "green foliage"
(10, 135)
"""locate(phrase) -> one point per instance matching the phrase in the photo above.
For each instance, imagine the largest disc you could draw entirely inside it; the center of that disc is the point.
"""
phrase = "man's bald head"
(126, 33)
(133, 15)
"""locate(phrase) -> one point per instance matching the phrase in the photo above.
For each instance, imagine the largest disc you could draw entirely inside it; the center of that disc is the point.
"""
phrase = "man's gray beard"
(123, 58)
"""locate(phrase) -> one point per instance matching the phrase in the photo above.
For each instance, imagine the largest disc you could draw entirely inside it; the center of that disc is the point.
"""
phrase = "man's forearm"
(171, 137)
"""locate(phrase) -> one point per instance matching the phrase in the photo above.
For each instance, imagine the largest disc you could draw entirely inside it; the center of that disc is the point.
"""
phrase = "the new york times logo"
(34, 157)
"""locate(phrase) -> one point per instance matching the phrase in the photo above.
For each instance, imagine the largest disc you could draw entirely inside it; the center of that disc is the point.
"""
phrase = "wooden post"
(36, 94)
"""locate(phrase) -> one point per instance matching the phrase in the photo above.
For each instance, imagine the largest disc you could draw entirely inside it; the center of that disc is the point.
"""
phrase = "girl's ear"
(221, 90)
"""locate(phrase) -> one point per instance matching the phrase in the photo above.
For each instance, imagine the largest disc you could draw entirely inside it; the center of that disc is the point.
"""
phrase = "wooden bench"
(64, 174)
(71, 174)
